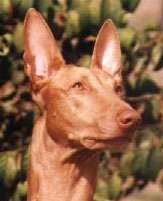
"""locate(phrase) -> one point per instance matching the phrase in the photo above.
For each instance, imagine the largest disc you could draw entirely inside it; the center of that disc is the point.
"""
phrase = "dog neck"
(59, 172)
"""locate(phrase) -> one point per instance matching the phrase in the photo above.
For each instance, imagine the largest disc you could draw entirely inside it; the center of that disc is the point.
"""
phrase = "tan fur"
(82, 113)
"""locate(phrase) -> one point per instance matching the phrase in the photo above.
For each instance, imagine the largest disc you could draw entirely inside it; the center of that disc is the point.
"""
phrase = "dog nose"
(128, 119)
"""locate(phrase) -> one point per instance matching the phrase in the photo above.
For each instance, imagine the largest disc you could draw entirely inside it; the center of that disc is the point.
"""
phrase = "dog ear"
(41, 54)
(107, 52)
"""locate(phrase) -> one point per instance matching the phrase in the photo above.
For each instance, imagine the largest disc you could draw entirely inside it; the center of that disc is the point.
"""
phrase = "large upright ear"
(107, 52)
(41, 54)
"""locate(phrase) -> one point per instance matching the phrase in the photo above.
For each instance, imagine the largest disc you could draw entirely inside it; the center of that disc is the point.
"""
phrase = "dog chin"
(114, 145)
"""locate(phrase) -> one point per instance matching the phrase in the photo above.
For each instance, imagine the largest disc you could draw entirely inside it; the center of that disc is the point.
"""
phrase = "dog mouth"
(114, 144)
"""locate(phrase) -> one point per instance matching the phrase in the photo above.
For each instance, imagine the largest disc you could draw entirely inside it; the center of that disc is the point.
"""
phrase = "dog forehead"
(69, 74)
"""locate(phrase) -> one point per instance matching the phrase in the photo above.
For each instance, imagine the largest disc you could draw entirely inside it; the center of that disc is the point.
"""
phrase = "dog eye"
(119, 90)
(78, 85)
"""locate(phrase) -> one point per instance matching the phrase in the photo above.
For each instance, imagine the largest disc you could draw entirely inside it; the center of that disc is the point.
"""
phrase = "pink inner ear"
(42, 69)
(109, 60)
(107, 53)
(40, 46)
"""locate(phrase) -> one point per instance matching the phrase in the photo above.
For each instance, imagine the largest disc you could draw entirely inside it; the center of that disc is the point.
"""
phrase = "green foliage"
(114, 186)
(108, 10)
(9, 167)
(20, 192)
(129, 5)
(126, 164)
(75, 24)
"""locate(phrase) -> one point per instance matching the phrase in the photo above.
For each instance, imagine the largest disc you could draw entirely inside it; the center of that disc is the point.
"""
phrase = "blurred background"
(136, 174)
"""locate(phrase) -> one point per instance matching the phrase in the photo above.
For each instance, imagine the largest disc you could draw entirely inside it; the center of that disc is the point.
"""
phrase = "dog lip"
(120, 141)
(108, 139)
(97, 139)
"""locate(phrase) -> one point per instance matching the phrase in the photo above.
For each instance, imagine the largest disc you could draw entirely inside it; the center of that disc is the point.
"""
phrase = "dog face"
(83, 107)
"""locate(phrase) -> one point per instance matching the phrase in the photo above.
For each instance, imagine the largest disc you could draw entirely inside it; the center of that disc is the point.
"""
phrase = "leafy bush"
(75, 24)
